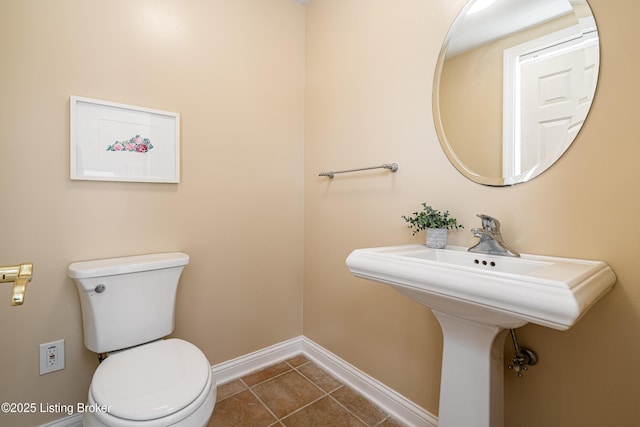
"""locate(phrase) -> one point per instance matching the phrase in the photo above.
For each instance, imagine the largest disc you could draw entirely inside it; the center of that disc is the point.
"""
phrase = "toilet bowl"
(128, 306)
(167, 382)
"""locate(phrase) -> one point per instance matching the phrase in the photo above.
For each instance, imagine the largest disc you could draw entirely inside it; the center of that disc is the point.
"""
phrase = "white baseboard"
(387, 399)
(240, 366)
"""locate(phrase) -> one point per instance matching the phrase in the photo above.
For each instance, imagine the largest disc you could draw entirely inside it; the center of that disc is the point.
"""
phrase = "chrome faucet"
(490, 238)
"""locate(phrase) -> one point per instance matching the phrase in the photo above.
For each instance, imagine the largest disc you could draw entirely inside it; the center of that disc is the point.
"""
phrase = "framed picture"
(118, 142)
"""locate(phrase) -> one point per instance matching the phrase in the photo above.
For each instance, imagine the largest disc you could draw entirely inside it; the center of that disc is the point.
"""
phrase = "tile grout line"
(292, 368)
(326, 394)
(279, 421)
(248, 387)
(260, 400)
(303, 407)
(350, 411)
(329, 394)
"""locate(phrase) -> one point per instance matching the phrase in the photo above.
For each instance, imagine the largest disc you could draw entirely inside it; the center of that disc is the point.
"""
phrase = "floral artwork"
(110, 141)
(137, 144)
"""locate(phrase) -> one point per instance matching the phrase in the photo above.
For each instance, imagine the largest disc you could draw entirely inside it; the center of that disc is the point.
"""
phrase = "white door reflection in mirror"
(549, 85)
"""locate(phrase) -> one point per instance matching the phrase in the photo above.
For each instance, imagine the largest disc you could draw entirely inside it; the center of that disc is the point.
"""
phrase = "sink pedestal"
(471, 388)
(476, 298)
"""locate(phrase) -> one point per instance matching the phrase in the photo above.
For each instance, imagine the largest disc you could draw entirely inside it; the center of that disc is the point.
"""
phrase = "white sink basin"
(475, 298)
(496, 290)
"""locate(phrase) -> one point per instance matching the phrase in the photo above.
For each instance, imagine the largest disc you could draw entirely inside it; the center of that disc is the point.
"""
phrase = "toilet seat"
(159, 383)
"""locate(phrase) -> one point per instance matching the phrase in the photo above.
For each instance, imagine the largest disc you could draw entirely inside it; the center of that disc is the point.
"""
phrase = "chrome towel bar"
(393, 167)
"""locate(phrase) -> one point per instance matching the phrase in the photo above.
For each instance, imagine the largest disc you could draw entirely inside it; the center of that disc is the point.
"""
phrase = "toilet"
(145, 380)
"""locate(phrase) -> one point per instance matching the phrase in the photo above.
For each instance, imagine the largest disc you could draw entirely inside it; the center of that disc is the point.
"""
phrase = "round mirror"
(514, 83)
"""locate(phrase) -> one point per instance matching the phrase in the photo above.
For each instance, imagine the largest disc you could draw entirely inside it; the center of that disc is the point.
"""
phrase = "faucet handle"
(489, 223)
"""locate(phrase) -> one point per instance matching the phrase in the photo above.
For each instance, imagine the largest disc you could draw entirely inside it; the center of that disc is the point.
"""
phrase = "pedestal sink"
(475, 298)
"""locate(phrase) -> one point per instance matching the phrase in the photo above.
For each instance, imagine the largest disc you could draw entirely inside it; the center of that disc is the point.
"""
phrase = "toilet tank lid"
(128, 264)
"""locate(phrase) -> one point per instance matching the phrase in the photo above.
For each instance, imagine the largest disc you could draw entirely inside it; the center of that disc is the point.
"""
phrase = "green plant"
(431, 218)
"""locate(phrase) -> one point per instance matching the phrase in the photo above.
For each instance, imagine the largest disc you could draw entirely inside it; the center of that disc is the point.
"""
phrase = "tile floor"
(295, 392)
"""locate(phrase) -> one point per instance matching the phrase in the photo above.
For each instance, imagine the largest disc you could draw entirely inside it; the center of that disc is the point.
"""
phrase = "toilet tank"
(127, 301)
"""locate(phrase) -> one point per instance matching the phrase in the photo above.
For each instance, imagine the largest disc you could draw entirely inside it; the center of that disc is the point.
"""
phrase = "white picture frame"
(118, 142)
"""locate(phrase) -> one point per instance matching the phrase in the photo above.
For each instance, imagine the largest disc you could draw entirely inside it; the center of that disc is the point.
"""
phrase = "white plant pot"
(437, 238)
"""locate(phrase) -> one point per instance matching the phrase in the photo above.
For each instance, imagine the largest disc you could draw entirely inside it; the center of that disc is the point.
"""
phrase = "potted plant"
(436, 224)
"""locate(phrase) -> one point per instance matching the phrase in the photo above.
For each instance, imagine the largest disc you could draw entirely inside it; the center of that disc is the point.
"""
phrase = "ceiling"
(500, 19)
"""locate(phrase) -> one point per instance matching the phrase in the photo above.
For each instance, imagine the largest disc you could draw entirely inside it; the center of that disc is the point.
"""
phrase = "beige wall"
(368, 101)
(235, 72)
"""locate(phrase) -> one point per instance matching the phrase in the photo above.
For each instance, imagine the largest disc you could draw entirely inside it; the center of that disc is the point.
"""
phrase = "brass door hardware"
(19, 275)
